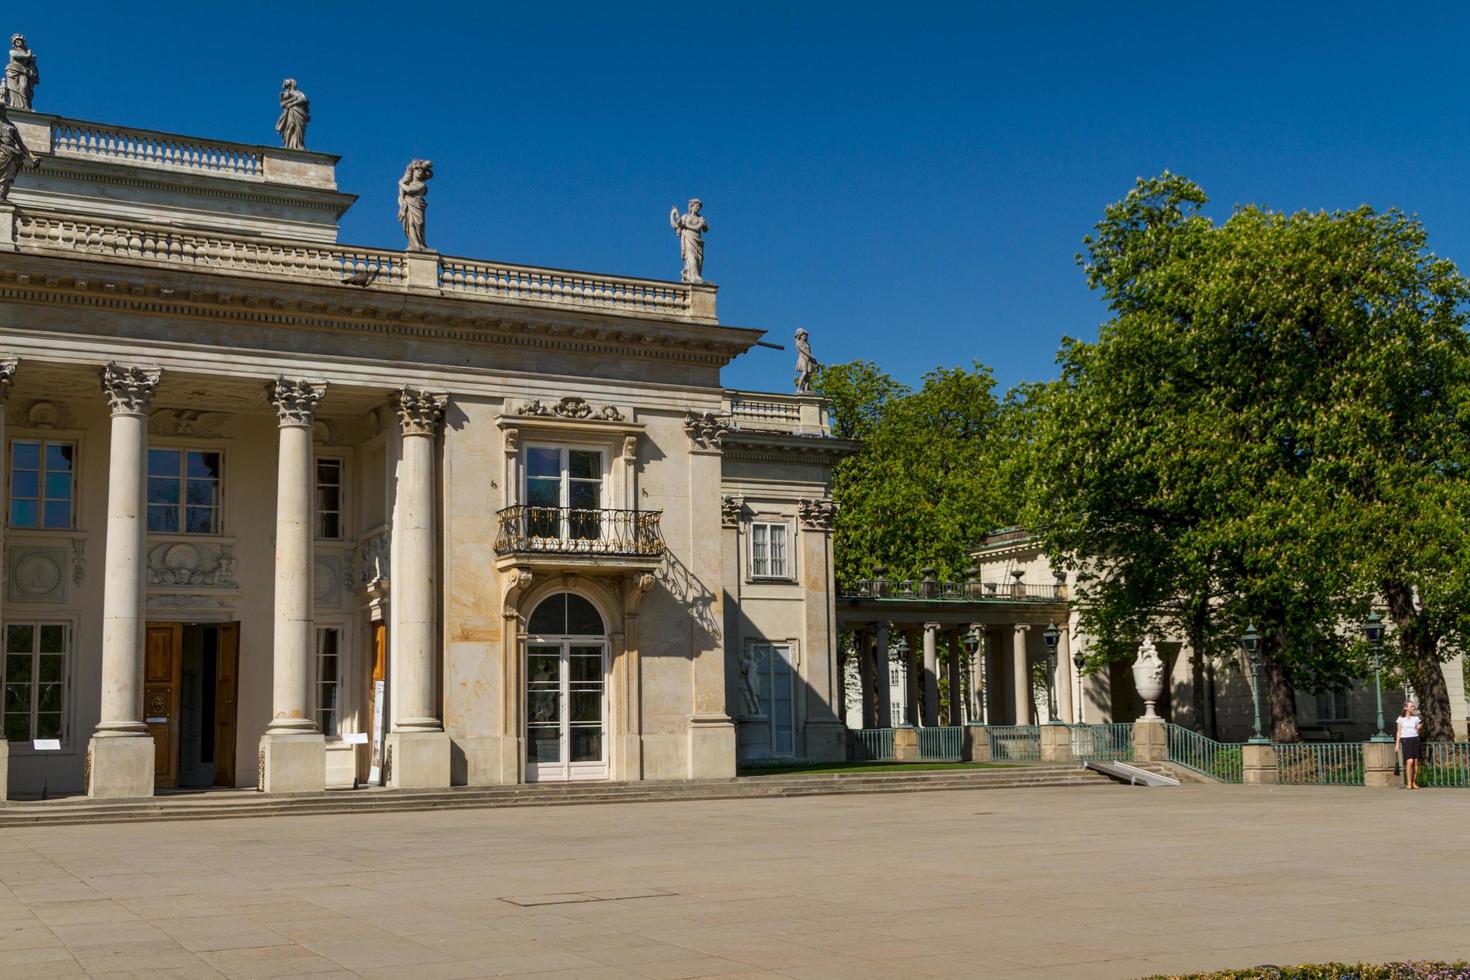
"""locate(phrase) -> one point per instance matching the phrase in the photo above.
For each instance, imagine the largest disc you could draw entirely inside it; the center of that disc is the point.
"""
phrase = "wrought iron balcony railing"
(571, 531)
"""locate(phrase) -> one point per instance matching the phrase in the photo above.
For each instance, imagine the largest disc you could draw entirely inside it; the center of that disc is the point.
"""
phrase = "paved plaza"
(1094, 882)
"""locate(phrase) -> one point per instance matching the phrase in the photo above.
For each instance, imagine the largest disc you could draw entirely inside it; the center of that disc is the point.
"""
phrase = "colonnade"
(120, 757)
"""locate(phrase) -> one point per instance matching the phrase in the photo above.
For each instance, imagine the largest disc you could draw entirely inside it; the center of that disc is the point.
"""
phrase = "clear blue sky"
(908, 182)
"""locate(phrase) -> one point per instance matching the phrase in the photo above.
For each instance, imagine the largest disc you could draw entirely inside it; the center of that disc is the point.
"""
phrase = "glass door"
(566, 709)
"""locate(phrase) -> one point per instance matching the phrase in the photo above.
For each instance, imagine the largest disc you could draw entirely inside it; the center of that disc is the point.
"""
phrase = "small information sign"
(47, 745)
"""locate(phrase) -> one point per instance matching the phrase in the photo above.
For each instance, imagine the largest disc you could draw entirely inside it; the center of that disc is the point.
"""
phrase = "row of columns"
(292, 756)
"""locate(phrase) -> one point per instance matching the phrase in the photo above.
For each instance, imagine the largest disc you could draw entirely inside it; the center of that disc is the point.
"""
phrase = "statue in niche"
(413, 202)
(21, 76)
(750, 684)
(690, 228)
(806, 365)
(295, 114)
(14, 154)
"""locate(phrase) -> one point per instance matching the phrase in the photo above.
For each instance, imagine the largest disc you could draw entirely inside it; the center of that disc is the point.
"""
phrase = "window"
(1333, 705)
(768, 551)
(329, 681)
(564, 492)
(183, 491)
(329, 498)
(41, 483)
(35, 680)
(777, 695)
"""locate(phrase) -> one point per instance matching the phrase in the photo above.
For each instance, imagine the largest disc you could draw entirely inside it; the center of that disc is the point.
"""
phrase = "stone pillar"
(1021, 679)
(863, 643)
(1149, 742)
(981, 673)
(1259, 763)
(7, 378)
(1378, 762)
(417, 744)
(931, 675)
(292, 750)
(1067, 711)
(956, 684)
(883, 668)
(121, 753)
(1056, 743)
(977, 743)
(905, 743)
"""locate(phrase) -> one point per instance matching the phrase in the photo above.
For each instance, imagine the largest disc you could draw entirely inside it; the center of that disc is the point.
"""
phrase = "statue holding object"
(806, 365)
(413, 202)
(21, 75)
(690, 228)
(14, 154)
(295, 114)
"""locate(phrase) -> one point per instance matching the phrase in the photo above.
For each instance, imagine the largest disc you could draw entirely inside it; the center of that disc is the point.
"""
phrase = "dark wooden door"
(226, 694)
(162, 660)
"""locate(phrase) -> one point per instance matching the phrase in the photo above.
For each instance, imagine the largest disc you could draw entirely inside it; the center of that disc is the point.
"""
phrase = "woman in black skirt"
(1406, 742)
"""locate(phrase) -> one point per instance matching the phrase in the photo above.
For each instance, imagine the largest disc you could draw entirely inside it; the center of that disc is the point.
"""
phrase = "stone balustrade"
(498, 280)
(801, 414)
(141, 147)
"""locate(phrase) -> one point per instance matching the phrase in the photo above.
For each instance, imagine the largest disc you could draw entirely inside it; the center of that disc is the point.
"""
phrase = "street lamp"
(901, 648)
(974, 656)
(1050, 636)
(1373, 633)
(1251, 642)
(1079, 660)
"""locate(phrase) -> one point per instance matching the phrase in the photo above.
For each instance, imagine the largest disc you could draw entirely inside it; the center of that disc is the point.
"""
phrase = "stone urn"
(1148, 678)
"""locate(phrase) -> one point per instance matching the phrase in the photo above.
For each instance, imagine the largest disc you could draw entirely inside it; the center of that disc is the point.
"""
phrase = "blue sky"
(908, 182)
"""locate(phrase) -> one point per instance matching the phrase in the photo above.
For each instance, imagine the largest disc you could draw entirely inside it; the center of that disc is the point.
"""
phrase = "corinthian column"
(121, 754)
(292, 751)
(418, 745)
(7, 378)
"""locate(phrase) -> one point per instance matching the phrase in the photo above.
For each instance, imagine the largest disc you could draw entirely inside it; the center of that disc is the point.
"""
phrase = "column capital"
(7, 376)
(420, 413)
(1021, 627)
(931, 627)
(128, 389)
(294, 401)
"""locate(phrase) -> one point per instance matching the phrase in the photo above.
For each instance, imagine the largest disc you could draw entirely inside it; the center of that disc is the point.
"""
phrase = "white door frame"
(565, 770)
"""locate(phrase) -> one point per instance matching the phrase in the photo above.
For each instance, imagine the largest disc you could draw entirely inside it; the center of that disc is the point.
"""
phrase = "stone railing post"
(905, 744)
(977, 743)
(421, 270)
(1056, 743)
(1150, 741)
(1258, 763)
(1378, 764)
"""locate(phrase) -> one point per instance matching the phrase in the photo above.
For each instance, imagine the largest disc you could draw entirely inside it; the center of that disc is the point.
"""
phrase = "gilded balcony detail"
(572, 532)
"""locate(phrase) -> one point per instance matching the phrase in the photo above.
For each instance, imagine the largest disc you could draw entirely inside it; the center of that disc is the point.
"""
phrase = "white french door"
(566, 709)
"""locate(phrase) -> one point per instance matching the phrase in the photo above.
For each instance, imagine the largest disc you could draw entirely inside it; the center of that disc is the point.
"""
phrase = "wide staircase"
(244, 803)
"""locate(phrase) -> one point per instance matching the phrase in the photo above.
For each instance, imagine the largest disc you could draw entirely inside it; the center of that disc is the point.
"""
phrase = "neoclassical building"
(288, 514)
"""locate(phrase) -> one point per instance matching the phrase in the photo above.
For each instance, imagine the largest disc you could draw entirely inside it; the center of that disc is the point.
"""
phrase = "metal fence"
(942, 743)
(1218, 760)
(1014, 743)
(1445, 764)
(873, 744)
(1110, 742)
(1319, 763)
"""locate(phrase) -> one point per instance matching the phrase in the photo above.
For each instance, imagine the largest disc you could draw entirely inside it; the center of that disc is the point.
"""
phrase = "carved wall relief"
(326, 576)
(187, 563)
(38, 574)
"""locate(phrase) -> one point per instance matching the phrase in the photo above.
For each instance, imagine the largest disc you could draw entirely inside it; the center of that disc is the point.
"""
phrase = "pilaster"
(8, 367)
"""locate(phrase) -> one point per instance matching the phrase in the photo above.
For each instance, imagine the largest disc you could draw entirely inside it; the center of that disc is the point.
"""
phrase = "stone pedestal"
(711, 747)
(1258, 764)
(977, 744)
(120, 768)
(1056, 743)
(420, 760)
(906, 744)
(293, 763)
(826, 741)
(753, 737)
(1378, 763)
(1149, 742)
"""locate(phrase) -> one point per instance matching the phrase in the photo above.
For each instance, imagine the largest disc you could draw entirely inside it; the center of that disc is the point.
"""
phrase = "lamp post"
(1251, 642)
(1049, 636)
(1373, 633)
(1079, 660)
(901, 648)
(971, 644)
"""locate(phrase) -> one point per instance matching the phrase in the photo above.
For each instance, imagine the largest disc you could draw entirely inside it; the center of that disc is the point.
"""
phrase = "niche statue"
(690, 228)
(413, 201)
(295, 114)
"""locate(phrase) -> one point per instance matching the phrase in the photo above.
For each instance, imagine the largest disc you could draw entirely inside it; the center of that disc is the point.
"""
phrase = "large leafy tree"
(1248, 438)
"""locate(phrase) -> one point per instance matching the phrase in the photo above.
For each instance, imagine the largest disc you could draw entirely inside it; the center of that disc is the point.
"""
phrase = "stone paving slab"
(1028, 883)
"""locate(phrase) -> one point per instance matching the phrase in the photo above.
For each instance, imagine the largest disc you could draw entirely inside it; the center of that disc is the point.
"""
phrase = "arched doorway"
(566, 690)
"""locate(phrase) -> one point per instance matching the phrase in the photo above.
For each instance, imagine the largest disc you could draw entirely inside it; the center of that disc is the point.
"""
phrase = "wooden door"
(162, 660)
(226, 693)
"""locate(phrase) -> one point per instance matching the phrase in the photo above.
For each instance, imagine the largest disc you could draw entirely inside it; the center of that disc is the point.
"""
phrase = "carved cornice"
(294, 401)
(706, 429)
(816, 514)
(731, 509)
(128, 388)
(7, 376)
(781, 447)
(571, 407)
(420, 413)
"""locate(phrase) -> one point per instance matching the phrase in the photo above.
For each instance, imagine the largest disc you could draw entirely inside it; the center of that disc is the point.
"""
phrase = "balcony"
(572, 537)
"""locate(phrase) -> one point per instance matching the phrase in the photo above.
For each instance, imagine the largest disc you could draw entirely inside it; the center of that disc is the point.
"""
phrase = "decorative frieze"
(817, 514)
(706, 429)
(41, 413)
(731, 509)
(186, 563)
(420, 413)
(294, 401)
(571, 407)
(128, 389)
(185, 422)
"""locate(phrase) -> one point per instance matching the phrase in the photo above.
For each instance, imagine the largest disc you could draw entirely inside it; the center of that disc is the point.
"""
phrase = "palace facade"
(288, 514)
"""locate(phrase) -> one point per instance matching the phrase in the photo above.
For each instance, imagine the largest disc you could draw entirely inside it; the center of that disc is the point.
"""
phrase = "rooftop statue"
(690, 228)
(21, 76)
(806, 365)
(413, 201)
(295, 114)
(14, 153)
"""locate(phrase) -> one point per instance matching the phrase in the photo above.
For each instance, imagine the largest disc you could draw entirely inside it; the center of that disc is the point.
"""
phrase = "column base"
(1149, 742)
(1056, 743)
(120, 768)
(906, 744)
(977, 743)
(417, 760)
(711, 747)
(292, 764)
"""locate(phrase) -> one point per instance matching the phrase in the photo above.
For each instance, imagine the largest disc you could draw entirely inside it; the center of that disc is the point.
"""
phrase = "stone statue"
(21, 76)
(750, 684)
(14, 154)
(413, 201)
(295, 114)
(806, 365)
(690, 228)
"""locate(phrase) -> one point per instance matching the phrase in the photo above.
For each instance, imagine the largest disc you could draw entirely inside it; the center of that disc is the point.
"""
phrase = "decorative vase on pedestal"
(1148, 678)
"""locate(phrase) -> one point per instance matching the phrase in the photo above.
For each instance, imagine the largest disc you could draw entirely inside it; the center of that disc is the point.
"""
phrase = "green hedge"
(1337, 971)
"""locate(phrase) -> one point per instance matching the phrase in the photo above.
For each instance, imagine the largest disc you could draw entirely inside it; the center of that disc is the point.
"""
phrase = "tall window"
(329, 498)
(768, 552)
(329, 681)
(564, 492)
(183, 491)
(35, 680)
(777, 695)
(41, 483)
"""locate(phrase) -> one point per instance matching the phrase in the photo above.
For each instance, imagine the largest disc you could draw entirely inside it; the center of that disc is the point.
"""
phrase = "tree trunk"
(1283, 702)
(1202, 710)
(1419, 652)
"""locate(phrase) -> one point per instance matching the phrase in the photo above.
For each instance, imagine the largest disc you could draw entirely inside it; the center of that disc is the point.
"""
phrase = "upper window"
(565, 614)
(35, 680)
(564, 492)
(329, 681)
(184, 491)
(1333, 706)
(329, 498)
(41, 483)
(768, 551)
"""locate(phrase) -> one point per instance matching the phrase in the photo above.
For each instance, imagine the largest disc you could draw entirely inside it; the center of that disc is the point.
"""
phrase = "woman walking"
(1406, 743)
